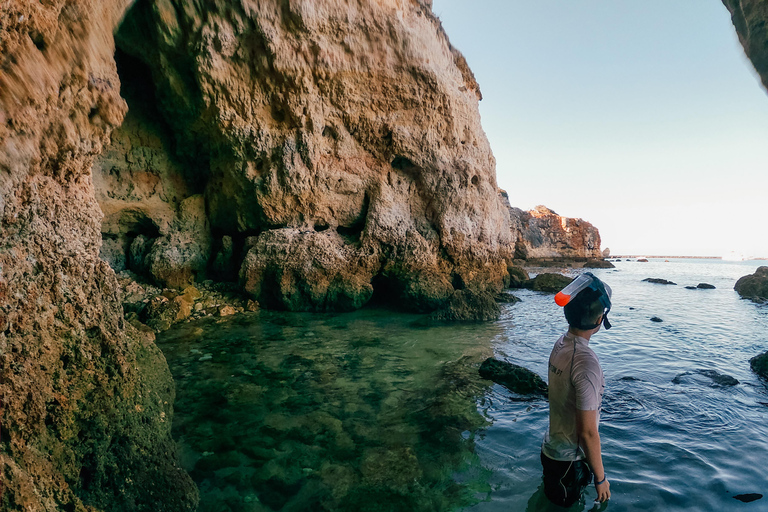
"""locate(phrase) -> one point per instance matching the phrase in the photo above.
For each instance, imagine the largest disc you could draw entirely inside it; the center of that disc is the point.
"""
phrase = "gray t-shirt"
(576, 381)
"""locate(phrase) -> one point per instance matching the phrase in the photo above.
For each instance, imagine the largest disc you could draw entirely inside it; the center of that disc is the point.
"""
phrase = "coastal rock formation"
(320, 152)
(754, 286)
(344, 137)
(541, 233)
(750, 18)
(86, 400)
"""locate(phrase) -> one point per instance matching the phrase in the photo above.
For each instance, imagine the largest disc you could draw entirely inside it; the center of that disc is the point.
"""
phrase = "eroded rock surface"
(86, 400)
(357, 122)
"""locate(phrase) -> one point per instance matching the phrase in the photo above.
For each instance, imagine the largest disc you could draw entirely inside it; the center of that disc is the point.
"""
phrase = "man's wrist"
(598, 482)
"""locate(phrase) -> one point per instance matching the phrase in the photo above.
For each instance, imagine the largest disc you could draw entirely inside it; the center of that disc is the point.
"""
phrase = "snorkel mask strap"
(606, 323)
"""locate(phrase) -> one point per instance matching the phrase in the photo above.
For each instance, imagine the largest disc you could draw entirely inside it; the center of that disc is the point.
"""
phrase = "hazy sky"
(642, 117)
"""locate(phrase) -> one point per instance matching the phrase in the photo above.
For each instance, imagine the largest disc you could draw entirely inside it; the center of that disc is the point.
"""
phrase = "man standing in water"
(570, 453)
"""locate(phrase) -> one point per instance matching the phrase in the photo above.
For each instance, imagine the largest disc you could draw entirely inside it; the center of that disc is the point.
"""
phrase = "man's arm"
(589, 440)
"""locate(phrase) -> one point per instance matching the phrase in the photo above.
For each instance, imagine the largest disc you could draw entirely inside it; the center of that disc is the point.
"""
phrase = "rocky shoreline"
(280, 146)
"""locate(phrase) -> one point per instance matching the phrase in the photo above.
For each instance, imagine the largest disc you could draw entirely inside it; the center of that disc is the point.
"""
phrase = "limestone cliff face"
(750, 18)
(337, 146)
(85, 400)
(543, 234)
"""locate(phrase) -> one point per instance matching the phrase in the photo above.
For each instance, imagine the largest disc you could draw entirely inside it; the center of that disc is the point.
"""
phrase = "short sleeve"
(588, 384)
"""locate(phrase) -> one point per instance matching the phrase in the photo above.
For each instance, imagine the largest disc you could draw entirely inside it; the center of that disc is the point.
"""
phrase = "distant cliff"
(543, 234)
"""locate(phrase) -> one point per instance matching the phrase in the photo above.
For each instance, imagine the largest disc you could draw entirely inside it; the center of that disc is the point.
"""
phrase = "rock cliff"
(543, 234)
(85, 401)
(328, 151)
(320, 153)
(750, 18)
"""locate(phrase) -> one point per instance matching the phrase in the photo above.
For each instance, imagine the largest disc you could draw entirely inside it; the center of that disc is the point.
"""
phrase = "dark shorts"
(565, 481)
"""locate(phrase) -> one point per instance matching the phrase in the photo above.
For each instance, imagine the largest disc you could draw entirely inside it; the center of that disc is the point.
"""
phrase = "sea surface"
(379, 411)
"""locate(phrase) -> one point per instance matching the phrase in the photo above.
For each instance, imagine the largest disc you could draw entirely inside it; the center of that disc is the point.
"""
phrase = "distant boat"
(735, 256)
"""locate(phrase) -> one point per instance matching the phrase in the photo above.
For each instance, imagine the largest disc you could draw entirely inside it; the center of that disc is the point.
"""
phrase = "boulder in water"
(517, 276)
(513, 377)
(759, 365)
(657, 280)
(705, 286)
(596, 263)
(754, 286)
(656, 319)
(547, 282)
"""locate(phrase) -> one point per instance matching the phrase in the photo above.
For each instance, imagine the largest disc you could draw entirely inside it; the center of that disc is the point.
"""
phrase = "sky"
(644, 118)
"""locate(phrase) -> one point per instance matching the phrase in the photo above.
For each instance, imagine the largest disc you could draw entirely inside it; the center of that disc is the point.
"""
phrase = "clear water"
(369, 411)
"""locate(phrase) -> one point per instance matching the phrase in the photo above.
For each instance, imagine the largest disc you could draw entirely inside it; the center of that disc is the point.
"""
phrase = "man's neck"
(582, 334)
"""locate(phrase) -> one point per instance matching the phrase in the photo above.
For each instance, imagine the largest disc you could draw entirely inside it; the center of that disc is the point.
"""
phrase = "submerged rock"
(718, 379)
(754, 286)
(548, 282)
(759, 365)
(656, 319)
(513, 377)
(657, 280)
(468, 306)
(748, 497)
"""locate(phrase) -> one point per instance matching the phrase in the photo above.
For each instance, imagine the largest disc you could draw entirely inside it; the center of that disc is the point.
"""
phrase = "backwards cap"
(584, 281)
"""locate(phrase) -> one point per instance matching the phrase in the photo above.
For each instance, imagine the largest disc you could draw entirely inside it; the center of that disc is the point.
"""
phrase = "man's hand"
(603, 491)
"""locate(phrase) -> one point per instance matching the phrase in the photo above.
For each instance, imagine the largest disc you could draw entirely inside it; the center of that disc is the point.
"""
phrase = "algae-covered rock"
(754, 286)
(513, 377)
(517, 276)
(548, 282)
(468, 306)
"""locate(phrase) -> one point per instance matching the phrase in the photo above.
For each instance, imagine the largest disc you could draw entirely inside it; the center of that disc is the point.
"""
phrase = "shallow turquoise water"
(369, 411)
(359, 411)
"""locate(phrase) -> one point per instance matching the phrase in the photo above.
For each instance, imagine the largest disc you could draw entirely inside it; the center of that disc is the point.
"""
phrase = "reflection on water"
(317, 412)
(368, 411)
